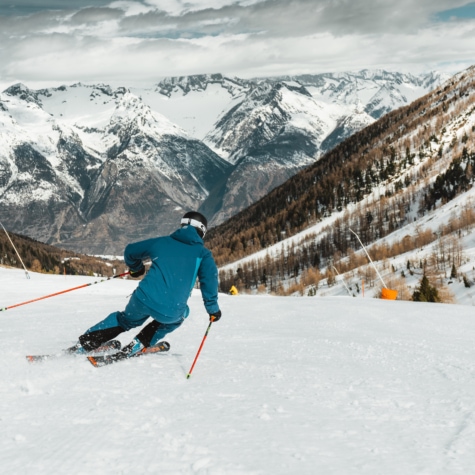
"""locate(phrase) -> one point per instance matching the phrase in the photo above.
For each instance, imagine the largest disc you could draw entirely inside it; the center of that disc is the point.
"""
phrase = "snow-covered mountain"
(91, 168)
(378, 91)
(118, 175)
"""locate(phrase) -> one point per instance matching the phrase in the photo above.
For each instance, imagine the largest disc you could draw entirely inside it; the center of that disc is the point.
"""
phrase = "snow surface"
(195, 112)
(284, 385)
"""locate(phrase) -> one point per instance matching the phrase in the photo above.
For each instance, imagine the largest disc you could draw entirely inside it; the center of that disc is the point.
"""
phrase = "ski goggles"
(195, 224)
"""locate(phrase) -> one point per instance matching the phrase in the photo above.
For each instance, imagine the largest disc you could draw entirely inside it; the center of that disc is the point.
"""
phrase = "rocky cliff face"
(144, 175)
(275, 132)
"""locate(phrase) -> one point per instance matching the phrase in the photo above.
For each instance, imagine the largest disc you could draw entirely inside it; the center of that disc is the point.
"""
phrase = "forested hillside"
(389, 174)
(40, 257)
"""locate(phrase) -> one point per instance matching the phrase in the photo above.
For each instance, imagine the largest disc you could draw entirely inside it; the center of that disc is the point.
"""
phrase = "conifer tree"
(453, 273)
(425, 292)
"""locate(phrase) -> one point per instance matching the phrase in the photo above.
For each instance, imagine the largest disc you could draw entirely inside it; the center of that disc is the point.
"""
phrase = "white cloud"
(138, 42)
(131, 8)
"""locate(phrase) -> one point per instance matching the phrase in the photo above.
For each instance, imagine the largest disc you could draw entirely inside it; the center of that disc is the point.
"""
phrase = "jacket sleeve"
(208, 277)
(136, 253)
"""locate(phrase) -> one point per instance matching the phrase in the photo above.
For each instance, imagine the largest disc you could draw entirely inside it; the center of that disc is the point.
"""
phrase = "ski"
(113, 345)
(105, 360)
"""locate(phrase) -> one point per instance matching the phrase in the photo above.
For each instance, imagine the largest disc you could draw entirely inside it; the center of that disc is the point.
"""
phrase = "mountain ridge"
(76, 160)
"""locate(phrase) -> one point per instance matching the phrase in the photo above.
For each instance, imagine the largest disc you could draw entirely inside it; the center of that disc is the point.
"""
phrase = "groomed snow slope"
(334, 385)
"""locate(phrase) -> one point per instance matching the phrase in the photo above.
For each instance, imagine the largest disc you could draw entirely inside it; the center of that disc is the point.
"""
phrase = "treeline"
(298, 264)
(401, 153)
(40, 257)
(457, 179)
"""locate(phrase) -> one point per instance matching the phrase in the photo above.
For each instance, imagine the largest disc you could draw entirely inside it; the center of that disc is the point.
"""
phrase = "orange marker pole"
(63, 291)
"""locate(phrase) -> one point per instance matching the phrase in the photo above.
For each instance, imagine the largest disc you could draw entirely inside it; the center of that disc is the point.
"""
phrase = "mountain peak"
(24, 93)
(187, 83)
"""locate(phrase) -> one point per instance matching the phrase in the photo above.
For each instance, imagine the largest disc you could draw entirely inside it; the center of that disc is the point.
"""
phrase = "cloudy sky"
(51, 42)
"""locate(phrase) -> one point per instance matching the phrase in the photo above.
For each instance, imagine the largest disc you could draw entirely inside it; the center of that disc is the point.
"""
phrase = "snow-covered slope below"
(196, 111)
(335, 386)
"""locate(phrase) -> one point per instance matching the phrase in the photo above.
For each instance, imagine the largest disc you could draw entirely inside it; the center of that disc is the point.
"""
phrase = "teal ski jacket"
(177, 260)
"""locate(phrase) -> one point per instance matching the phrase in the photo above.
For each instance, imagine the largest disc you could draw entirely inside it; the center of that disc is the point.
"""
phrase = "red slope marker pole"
(64, 291)
(199, 349)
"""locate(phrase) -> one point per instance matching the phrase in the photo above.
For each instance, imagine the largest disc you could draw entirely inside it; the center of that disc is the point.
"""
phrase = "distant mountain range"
(91, 168)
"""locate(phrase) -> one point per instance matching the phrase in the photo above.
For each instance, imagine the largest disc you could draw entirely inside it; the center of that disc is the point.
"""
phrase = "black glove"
(137, 273)
(215, 316)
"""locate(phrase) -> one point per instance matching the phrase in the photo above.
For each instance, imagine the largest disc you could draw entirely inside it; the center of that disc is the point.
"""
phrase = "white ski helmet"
(197, 220)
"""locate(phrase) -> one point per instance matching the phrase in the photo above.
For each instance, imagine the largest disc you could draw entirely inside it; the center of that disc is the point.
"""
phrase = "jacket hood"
(188, 235)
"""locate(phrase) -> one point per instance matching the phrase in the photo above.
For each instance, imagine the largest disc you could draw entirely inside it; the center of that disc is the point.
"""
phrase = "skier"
(177, 260)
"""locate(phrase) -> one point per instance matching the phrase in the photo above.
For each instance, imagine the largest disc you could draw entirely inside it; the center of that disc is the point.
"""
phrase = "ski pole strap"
(63, 291)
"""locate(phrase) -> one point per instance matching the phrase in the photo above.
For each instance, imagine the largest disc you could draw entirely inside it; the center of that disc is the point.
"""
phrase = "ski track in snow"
(284, 385)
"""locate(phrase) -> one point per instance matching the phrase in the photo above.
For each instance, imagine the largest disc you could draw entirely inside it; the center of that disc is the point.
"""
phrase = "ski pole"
(64, 291)
(199, 349)
(17, 253)
(372, 263)
(342, 281)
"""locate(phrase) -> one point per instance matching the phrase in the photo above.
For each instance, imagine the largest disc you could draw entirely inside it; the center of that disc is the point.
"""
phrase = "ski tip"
(93, 361)
(36, 358)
